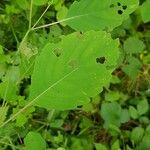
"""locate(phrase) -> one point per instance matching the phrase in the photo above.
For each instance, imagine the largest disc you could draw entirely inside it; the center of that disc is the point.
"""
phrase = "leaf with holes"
(70, 72)
(99, 14)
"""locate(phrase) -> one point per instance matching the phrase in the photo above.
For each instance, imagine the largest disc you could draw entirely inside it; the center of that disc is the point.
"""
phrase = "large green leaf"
(70, 72)
(99, 14)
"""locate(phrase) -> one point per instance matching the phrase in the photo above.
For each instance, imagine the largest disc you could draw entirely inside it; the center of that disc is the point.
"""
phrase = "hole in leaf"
(124, 7)
(112, 6)
(120, 12)
(101, 60)
(80, 106)
(57, 52)
(119, 4)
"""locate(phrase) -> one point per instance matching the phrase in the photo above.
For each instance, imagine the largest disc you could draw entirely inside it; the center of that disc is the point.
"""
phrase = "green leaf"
(34, 141)
(145, 11)
(99, 14)
(137, 134)
(112, 96)
(133, 45)
(133, 112)
(125, 116)
(70, 72)
(61, 14)
(116, 145)
(110, 116)
(142, 107)
(133, 68)
(100, 146)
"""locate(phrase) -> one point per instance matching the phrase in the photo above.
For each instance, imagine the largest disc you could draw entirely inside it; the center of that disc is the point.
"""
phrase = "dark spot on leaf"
(57, 52)
(124, 7)
(81, 32)
(101, 60)
(120, 12)
(112, 6)
(119, 4)
(73, 64)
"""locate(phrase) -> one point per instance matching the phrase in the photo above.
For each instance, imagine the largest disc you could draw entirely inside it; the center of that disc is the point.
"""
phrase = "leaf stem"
(53, 23)
(30, 14)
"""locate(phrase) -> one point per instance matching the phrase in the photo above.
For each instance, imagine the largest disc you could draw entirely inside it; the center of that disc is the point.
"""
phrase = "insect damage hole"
(120, 12)
(101, 60)
(119, 4)
(124, 7)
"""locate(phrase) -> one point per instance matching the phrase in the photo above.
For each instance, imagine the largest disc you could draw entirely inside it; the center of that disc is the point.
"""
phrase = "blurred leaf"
(145, 11)
(133, 112)
(40, 2)
(133, 45)
(133, 68)
(116, 145)
(112, 96)
(100, 146)
(109, 115)
(34, 141)
(142, 107)
(125, 117)
(137, 134)
(61, 14)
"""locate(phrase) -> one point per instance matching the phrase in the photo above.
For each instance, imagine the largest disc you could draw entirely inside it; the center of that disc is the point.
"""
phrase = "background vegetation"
(118, 118)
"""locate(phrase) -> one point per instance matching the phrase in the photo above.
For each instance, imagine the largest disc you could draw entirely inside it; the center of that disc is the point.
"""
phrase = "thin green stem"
(41, 16)
(13, 31)
(30, 14)
(57, 22)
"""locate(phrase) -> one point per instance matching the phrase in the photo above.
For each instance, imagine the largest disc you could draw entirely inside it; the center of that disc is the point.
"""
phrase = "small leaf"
(112, 96)
(145, 11)
(109, 115)
(142, 107)
(137, 134)
(34, 141)
(116, 145)
(133, 112)
(100, 146)
(133, 68)
(125, 116)
(133, 45)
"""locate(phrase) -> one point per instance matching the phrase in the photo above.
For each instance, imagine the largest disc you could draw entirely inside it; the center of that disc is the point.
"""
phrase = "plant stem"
(30, 14)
